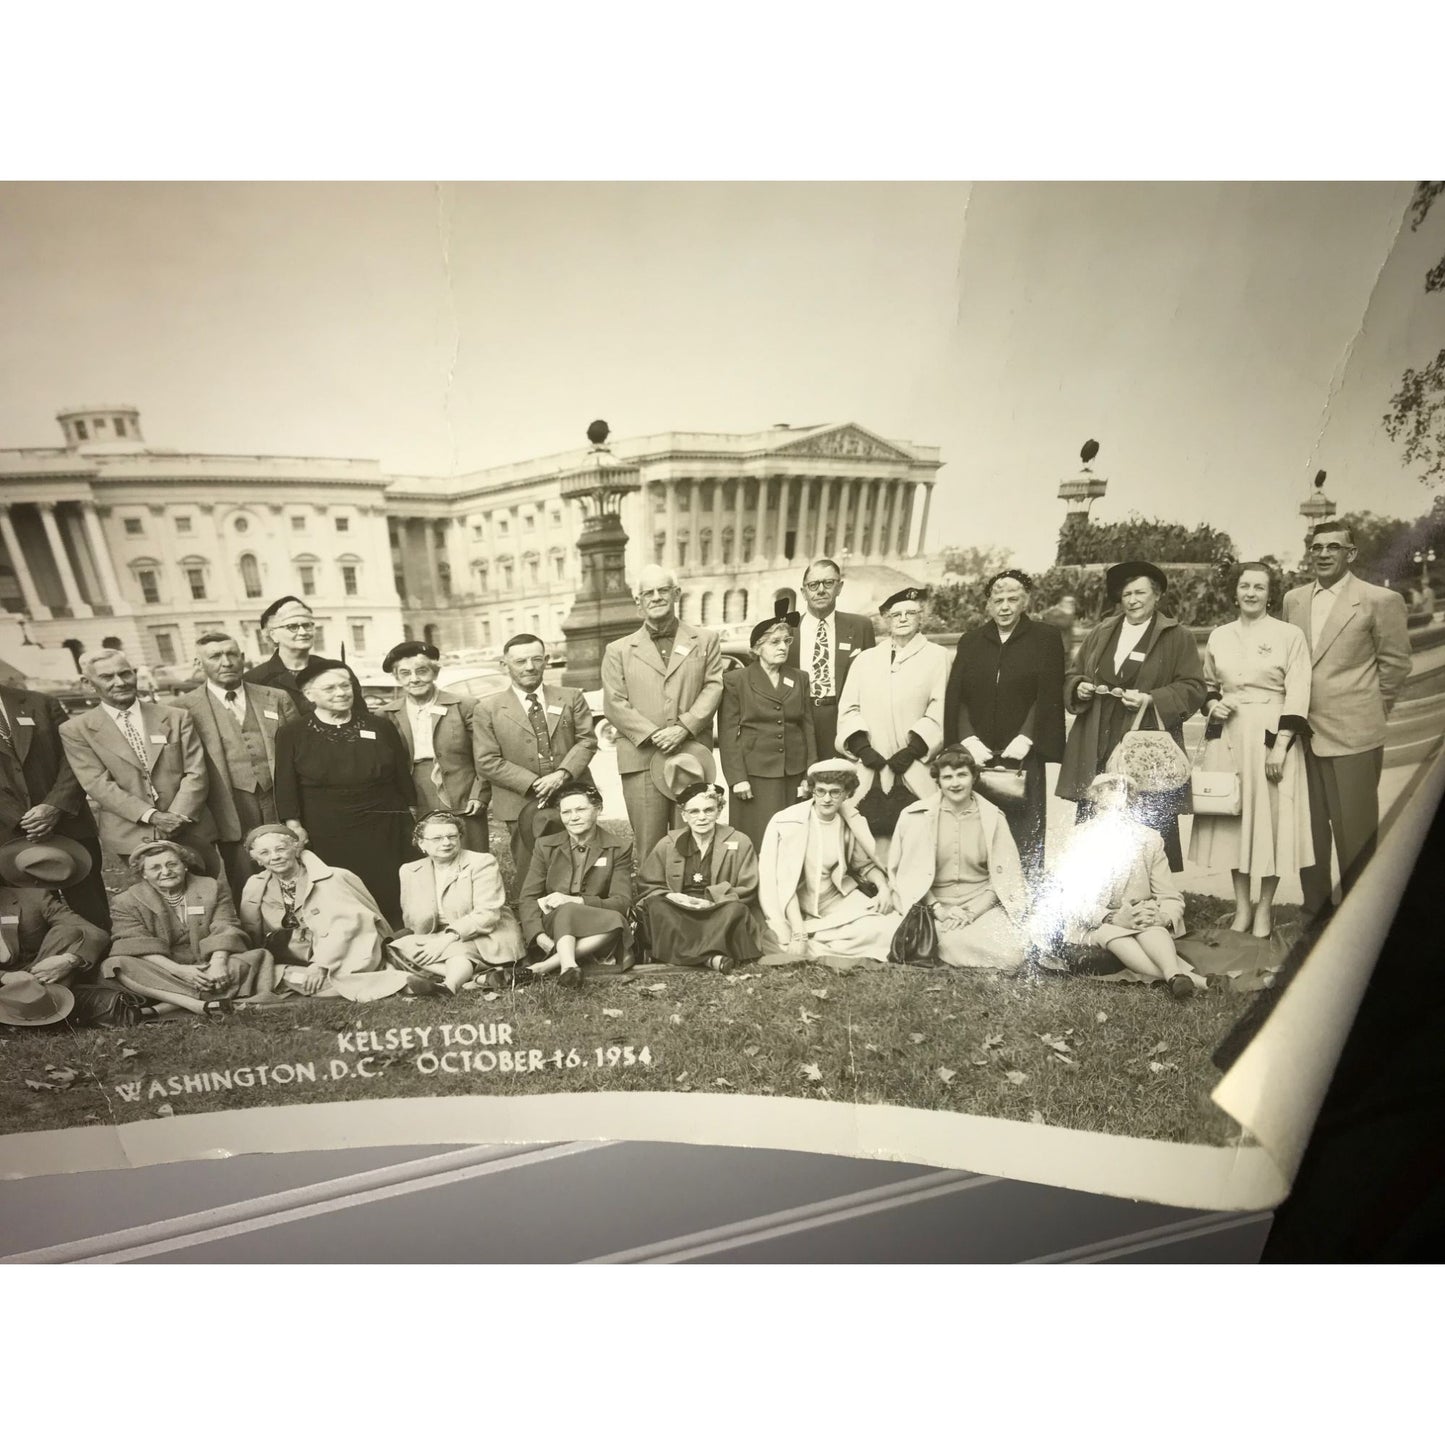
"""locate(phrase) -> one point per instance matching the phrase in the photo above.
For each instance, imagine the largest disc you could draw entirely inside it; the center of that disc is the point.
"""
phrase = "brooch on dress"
(697, 877)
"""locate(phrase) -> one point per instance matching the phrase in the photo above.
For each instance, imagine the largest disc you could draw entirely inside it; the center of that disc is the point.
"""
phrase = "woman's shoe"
(1182, 986)
(217, 1008)
(720, 963)
(570, 978)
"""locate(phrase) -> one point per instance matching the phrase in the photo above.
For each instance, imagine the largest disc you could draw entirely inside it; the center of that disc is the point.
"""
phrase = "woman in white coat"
(955, 851)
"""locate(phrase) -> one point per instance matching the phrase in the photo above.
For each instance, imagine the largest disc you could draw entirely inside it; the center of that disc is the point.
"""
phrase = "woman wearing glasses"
(292, 629)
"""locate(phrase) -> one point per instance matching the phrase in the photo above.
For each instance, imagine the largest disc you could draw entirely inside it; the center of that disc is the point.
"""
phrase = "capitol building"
(109, 536)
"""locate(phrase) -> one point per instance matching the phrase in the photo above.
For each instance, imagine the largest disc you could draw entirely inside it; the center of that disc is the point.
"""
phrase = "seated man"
(822, 887)
(40, 933)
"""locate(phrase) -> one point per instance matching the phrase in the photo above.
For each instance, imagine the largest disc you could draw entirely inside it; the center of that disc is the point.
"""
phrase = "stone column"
(810, 519)
(669, 551)
(905, 517)
(104, 563)
(923, 527)
(883, 532)
(33, 605)
(738, 515)
(846, 487)
(73, 599)
(780, 556)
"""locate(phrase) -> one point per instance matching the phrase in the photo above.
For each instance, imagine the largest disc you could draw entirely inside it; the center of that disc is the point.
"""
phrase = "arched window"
(743, 605)
(306, 569)
(787, 595)
(250, 575)
(196, 572)
(732, 608)
(708, 601)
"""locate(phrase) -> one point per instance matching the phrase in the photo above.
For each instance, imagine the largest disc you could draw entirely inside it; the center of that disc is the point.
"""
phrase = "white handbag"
(1216, 794)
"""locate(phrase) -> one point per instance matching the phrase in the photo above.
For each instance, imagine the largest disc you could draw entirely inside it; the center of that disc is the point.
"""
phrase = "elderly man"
(1361, 658)
(291, 626)
(890, 716)
(825, 647)
(661, 686)
(39, 933)
(236, 721)
(141, 764)
(1005, 701)
(530, 739)
(39, 794)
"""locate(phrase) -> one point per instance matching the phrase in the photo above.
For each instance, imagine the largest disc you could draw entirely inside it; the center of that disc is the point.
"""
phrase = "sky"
(1221, 341)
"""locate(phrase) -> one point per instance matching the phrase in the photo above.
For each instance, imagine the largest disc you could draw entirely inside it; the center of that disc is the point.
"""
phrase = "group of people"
(287, 840)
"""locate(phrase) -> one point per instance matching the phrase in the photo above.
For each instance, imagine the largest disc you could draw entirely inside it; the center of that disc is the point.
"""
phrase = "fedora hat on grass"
(25, 1001)
(54, 862)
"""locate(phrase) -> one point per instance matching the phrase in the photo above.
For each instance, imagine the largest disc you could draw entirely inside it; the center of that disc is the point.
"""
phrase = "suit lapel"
(1346, 604)
(682, 644)
(268, 725)
(644, 649)
(21, 736)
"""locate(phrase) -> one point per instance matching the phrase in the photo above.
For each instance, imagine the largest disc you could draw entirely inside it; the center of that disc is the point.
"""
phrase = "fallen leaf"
(871, 1048)
(61, 1076)
(1014, 1076)
(915, 1038)
(946, 1074)
(36, 1084)
(1159, 1048)
(680, 1077)
(613, 1013)
(1059, 1045)
(993, 1041)
(672, 1018)
(491, 996)
(1101, 1017)
(1036, 1117)
(1065, 1060)
(934, 988)
(1156, 1067)
(722, 1083)
(818, 992)
(751, 1050)
(811, 1072)
(654, 988)
(129, 1053)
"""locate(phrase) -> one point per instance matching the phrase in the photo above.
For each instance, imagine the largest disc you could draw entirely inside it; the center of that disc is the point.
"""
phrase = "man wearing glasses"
(289, 623)
(825, 646)
(1361, 658)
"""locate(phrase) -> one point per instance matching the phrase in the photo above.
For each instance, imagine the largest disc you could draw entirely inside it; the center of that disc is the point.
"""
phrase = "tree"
(1416, 418)
(1141, 537)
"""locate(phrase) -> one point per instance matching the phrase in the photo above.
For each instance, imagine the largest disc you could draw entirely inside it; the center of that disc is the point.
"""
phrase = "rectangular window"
(134, 527)
(343, 524)
(183, 525)
(536, 622)
(476, 531)
(358, 636)
(120, 426)
(348, 579)
(319, 644)
(486, 633)
(196, 580)
(298, 524)
(81, 432)
(148, 587)
(501, 526)
(532, 569)
(100, 424)
(555, 518)
(530, 521)
(166, 647)
(560, 563)
(308, 581)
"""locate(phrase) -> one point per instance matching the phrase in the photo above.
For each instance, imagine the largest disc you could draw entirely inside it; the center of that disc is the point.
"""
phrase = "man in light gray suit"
(1361, 654)
(140, 763)
(661, 686)
(237, 722)
(531, 739)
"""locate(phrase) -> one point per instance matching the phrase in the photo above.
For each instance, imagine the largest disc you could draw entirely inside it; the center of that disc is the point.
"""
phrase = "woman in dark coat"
(1005, 701)
(699, 889)
(765, 728)
(1139, 656)
(343, 775)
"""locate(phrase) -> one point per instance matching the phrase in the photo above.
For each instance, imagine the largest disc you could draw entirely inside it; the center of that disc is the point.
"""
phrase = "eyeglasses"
(911, 615)
(294, 626)
(1325, 548)
(657, 592)
(826, 584)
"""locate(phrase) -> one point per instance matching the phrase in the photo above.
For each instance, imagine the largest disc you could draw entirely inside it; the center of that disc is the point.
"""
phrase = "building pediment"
(847, 443)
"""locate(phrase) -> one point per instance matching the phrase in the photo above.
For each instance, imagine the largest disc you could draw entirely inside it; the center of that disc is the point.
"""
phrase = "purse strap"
(1139, 714)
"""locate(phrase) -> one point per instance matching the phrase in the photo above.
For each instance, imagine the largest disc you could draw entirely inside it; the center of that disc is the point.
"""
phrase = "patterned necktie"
(139, 748)
(231, 696)
(7, 738)
(821, 670)
(539, 727)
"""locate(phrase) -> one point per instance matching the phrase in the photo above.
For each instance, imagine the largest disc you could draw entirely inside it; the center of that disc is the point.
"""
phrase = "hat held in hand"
(53, 862)
(25, 1001)
(672, 772)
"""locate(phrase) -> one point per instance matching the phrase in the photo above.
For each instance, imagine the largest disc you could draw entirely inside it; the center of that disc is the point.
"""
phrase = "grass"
(1123, 1058)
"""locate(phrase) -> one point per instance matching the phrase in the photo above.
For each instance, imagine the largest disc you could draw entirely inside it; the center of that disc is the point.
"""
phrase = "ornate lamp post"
(1315, 508)
(1424, 561)
(603, 608)
(1081, 492)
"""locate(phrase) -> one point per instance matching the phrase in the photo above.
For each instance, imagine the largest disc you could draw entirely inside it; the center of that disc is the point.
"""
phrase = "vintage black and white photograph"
(952, 652)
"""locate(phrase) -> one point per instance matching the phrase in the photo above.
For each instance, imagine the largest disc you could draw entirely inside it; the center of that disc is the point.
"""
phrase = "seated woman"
(957, 851)
(698, 886)
(176, 939)
(454, 905)
(578, 890)
(319, 923)
(822, 888)
(1112, 889)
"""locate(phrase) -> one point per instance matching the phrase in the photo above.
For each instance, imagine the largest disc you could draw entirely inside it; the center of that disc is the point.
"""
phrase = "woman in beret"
(765, 727)
(1139, 657)
(343, 782)
(291, 627)
(436, 727)
(698, 887)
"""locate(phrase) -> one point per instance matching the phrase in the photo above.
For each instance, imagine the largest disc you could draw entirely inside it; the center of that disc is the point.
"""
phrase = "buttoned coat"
(997, 690)
(780, 864)
(452, 744)
(347, 928)
(146, 923)
(272, 672)
(891, 694)
(734, 867)
(852, 636)
(475, 899)
(763, 731)
(113, 779)
(640, 694)
(1360, 663)
(505, 747)
(44, 925)
(49, 778)
(606, 876)
(271, 707)
(913, 860)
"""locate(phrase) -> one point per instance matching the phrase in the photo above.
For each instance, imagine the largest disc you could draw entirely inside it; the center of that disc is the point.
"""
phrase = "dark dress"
(726, 875)
(351, 789)
(766, 739)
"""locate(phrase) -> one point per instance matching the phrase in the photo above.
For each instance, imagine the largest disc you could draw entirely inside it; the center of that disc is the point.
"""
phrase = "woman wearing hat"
(698, 887)
(319, 923)
(177, 939)
(1140, 657)
(578, 891)
(344, 777)
(291, 626)
(765, 727)
(821, 885)
(436, 727)
(40, 934)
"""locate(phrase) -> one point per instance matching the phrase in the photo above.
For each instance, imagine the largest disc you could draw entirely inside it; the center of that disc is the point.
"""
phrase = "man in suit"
(141, 764)
(825, 645)
(291, 626)
(236, 721)
(39, 794)
(661, 686)
(531, 739)
(1361, 658)
(1005, 700)
(39, 933)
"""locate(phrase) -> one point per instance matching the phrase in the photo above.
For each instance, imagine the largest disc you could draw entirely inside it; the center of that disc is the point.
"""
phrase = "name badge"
(158, 737)
(275, 717)
(1136, 657)
(845, 647)
(194, 908)
(554, 709)
(600, 863)
(10, 918)
(731, 845)
(366, 734)
(436, 709)
(682, 651)
(787, 682)
(26, 722)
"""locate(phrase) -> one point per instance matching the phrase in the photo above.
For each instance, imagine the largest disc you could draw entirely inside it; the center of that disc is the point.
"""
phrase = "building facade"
(107, 536)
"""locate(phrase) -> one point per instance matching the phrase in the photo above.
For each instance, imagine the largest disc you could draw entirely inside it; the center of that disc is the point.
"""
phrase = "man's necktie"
(231, 697)
(821, 671)
(7, 738)
(539, 728)
(139, 748)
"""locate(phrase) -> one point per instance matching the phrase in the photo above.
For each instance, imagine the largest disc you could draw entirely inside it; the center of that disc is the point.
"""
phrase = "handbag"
(916, 940)
(1002, 784)
(880, 810)
(1217, 794)
(1151, 760)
